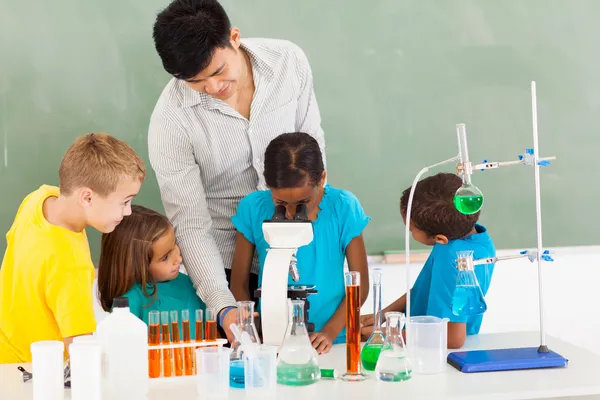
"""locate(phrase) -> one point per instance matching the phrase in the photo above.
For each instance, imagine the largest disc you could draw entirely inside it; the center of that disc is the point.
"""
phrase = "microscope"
(284, 237)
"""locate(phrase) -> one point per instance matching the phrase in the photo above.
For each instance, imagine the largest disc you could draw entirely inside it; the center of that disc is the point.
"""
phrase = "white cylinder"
(48, 370)
(86, 378)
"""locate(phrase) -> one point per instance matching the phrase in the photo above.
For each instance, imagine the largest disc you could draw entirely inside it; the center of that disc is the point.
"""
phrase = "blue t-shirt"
(433, 290)
(321, 263)
(177, 294)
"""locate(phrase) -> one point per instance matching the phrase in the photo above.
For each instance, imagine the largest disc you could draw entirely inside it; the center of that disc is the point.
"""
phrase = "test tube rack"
(183, 346)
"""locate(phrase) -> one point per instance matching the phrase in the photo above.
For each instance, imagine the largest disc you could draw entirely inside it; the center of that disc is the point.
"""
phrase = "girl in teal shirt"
(140, 260)
(295, 174)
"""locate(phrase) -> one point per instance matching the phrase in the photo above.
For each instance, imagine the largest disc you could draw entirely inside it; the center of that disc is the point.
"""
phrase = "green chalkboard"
(392, 80)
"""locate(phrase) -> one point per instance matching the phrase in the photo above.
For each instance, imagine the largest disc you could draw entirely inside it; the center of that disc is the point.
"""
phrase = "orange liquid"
(353, 329)
(188, 351)
(154, 355)
(210, 333)
(178, 353)
(166, 339)
(199, 330)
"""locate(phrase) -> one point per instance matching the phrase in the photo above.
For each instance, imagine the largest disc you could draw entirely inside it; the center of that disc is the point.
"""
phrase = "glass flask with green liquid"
(468, 199)
(297, 362)
(370, 351)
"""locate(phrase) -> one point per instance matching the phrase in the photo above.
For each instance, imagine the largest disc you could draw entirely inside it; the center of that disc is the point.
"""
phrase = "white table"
(579, 378)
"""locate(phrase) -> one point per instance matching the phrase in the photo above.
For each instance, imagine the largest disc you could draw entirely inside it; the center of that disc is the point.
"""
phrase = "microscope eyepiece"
(301, 213)
(279, 214)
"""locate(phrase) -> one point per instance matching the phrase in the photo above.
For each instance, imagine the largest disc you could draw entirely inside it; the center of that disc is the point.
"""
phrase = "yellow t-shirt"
(45, 281)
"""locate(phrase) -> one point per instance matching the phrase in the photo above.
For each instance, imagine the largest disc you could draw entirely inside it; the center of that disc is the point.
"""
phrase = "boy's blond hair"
(98, 161)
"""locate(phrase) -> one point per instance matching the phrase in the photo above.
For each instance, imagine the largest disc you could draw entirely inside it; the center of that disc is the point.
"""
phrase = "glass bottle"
(370, 351)
(297, 363)
(393, 364)
(245, 321)
(468, 297)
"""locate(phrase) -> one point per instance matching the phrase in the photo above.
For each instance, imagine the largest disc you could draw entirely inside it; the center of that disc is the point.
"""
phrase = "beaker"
(297, 364)
(212, 364)
(393, 364)
(370, 351)
(467, 298)
(260, 371)
(353, 367)
(427, 339)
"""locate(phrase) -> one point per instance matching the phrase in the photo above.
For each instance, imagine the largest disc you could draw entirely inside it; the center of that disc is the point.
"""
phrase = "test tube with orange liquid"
(187, 338)
(166, 339)
(210, 325)
(199, 326)
(176, 338)
(353, 366)
(154, 339)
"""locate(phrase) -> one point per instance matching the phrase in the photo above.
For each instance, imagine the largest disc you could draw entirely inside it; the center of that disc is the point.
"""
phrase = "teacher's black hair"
(187, 33)
(291, 159)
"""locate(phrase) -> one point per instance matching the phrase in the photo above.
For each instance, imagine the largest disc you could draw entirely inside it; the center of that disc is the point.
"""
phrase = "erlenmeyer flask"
(245, 314)
(297, 363)
(371, 349)
(393, 364)
(468, 297)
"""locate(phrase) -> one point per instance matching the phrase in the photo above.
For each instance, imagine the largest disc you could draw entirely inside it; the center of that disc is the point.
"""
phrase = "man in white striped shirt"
(211, 125)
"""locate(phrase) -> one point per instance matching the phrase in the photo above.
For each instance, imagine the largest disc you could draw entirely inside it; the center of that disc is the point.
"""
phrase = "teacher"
(229, 97)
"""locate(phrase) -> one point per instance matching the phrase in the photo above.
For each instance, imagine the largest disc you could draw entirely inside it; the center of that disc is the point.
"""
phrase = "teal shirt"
(433, 290)
(178, 294)
(321, 263)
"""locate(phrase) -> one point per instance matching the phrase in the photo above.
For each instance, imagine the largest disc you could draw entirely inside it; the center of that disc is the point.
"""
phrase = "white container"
(86, 374)
(213, 372)
(260, 372)
(48, 370)
(124, 341)
(427, 342)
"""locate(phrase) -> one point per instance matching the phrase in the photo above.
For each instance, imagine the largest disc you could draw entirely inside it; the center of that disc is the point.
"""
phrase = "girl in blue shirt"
(140, 260)
(295, 174)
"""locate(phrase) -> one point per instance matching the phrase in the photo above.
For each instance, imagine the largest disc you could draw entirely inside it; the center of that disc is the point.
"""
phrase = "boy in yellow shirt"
(47, 272)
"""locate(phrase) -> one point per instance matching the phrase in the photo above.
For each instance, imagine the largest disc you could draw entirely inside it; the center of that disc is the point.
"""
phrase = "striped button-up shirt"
(207, 156)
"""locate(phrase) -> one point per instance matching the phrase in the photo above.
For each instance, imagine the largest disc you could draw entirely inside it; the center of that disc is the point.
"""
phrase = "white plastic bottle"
(124, 341)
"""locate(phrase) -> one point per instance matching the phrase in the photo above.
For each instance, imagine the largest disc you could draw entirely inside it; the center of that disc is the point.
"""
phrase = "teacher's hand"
(229, 318)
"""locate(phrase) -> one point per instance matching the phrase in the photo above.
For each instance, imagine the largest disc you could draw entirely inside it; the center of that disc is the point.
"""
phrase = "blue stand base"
(505, 360)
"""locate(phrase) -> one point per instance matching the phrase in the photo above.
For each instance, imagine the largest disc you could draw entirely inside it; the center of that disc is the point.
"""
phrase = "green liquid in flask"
(468, 204)
(370, 355)
(298, 374)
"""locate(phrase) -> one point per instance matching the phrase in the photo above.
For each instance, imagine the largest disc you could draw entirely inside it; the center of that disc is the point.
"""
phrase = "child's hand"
(321, 342)
(367, 320)
(365, 332)
(366, 326)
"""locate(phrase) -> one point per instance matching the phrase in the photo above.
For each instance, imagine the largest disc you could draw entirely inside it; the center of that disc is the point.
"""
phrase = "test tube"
(177, 353)
(166, 339)
(210, 328)
(199, 326)
(154, 339)
(188, 351)
(353, 368)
